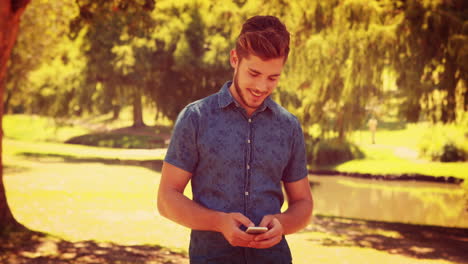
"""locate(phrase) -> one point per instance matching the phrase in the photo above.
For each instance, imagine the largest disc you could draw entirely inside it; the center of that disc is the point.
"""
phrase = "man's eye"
(253, 74)
(273, 79)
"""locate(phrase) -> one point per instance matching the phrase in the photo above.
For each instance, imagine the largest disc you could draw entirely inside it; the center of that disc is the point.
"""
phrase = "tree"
(34, 50)
(190, 59)
(110, 27)
(342, 50)
(431, 55)
(339, 53)
(10, 15)
(33, 85)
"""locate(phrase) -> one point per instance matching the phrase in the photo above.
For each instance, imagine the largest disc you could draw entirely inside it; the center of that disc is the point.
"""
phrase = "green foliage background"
(350, 59)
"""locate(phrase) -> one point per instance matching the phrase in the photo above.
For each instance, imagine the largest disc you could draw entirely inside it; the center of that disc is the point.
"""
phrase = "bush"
(328, 152)
(445, 143)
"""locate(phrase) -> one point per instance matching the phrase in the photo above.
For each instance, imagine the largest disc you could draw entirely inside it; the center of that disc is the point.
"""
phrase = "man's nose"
(262, 86)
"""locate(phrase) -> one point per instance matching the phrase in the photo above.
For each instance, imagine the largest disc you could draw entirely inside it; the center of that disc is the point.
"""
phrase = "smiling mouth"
(256, 94)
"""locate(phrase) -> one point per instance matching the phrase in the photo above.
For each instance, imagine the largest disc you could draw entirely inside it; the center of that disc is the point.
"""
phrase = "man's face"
(254, 79)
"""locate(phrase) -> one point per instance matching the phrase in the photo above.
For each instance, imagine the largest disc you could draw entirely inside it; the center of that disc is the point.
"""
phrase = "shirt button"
(246, 193)
(248, 141)
(248, 166)
(250, 120)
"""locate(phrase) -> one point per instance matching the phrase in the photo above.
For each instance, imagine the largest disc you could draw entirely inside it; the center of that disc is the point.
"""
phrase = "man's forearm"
(296, 217)
(177, 207)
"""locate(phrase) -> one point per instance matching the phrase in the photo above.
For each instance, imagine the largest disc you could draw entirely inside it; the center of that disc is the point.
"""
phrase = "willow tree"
(10, 15)
(338, 56)
(431, 54)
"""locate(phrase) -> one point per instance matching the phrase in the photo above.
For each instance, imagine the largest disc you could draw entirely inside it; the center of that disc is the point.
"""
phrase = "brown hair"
(263, 36)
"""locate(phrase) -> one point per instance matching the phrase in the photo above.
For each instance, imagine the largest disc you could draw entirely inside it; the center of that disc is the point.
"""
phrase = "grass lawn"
(37, 128)
(85, 132)
(60, 150)
(395, 152)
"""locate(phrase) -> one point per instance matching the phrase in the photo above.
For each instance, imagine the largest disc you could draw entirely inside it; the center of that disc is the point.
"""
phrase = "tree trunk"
(6, 104)
(449, 84)
(137, 111)
(465, 95)
(10, 14)
(340, 126)
(115, 112)
(9, 95)
(413, 110)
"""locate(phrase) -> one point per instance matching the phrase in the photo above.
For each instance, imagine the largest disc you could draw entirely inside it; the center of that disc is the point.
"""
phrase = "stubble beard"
(240, 92)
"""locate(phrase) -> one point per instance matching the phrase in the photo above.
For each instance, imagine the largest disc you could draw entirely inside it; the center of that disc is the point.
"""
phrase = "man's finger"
(241, 235)
(266, 221)
(274, 226)
(243, 219)
(274, 232)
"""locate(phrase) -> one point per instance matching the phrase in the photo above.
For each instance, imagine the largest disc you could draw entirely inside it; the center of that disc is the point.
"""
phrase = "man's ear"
(233, 58)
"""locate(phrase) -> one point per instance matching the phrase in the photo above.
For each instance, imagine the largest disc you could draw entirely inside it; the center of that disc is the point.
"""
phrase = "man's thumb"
(243, 220)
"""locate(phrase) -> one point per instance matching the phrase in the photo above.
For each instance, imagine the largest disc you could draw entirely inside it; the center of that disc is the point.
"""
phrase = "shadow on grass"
(112, 140)
(25, 246)
(422, 242)
(155, 165)
(8, 169)
(142, 137)
(162, 131)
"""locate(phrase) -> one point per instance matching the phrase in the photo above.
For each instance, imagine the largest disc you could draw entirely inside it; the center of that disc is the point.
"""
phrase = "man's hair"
(265, 37)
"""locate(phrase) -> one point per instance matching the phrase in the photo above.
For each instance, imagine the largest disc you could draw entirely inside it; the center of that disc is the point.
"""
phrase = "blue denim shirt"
(237, 164)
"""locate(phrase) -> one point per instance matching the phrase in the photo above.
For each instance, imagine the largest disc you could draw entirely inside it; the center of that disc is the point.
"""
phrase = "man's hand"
(272, 237)
(229, 227)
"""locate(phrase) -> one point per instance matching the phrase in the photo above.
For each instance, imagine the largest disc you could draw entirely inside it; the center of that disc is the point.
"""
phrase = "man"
(236, 147)
(372, 127)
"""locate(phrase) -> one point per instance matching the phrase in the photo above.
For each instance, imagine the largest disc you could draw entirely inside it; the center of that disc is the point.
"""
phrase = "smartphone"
(256, 230)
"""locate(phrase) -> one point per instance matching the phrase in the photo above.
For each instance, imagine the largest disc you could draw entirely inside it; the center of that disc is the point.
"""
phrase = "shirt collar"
(224, 96)
(225, 99)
